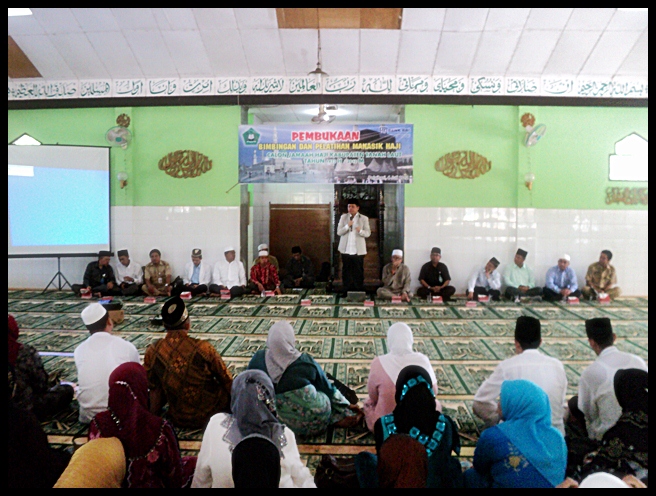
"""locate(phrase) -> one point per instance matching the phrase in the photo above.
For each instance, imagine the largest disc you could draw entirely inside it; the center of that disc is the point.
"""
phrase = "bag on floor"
(334, 473)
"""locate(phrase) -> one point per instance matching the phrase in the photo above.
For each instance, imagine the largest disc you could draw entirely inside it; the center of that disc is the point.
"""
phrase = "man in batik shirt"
(264, 276)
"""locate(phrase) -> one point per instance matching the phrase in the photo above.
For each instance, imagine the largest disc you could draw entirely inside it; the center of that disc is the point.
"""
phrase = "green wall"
(570, 162)
(157, 131)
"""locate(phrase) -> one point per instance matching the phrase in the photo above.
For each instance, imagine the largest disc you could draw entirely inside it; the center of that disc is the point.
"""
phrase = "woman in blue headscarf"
(524, 450)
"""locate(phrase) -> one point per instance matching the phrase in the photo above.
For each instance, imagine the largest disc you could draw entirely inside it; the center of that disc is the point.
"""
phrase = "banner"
(360, 153)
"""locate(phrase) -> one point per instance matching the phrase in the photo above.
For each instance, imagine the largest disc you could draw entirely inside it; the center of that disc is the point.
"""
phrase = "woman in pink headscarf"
(385, 370)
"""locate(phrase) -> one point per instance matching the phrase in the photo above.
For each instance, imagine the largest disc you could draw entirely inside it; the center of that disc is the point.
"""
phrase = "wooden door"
(307, 226)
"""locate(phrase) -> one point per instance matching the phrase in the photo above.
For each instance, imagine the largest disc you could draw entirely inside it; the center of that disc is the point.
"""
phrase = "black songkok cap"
(353, 201)
(197, 252)
(435, 249)
(174, 312)
(104, 253)
(527, 329)
(599, 329)
(494, 261)
(521, 252)
(122, 253)
(296, 249)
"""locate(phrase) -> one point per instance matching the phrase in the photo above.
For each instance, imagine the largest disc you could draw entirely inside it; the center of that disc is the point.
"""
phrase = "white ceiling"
(113, 43)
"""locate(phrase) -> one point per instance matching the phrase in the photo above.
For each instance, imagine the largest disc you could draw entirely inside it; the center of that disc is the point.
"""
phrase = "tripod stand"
(60, 275)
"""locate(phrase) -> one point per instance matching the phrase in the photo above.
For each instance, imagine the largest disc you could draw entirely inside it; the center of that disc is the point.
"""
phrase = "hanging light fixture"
(318, 71)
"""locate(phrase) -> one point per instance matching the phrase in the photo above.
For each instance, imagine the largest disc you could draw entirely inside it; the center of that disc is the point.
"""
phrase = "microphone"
(351, 218)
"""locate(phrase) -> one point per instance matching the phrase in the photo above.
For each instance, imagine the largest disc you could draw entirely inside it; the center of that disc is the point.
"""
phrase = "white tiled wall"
(175, 231)
(468, 238)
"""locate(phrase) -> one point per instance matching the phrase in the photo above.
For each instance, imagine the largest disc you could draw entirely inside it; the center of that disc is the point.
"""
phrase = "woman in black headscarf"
(265, 474)
(415, 415)
(624, 449)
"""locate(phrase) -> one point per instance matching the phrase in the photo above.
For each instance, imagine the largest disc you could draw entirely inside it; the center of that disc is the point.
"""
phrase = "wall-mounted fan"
(119, 136)
(323, 116)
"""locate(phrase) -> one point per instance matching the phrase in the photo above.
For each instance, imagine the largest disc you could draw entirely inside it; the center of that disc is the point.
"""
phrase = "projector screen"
(58, 200)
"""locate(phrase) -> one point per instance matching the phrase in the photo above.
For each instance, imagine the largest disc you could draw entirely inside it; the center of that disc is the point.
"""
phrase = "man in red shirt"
(264, 276)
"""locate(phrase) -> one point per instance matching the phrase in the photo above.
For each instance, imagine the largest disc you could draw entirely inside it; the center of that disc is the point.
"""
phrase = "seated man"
(601, 278)
(229, 274)
(264, 276)
(96, 358)
(561, 281)
(519, 279)
(396, 279)
(185, 372)
(99, 277)
(197, 277)
(272, 260)
(434, 278)
(157, 276)
(300, 273)
(487, 281)
(530, 364)
(129, 274)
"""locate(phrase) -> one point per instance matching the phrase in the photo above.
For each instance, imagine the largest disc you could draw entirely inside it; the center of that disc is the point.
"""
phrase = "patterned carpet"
(463, 343)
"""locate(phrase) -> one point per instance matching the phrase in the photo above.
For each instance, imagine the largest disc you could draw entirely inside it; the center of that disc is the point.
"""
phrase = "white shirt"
(205, 275)
(95, 359)
(133, 270)
(214, 465)
(480, 279)
(229, 274)
(534, 366)
(597, 398)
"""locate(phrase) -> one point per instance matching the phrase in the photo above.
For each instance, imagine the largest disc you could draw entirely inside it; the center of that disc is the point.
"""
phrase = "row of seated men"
(156, 278)
(285, 393)
(434, 278)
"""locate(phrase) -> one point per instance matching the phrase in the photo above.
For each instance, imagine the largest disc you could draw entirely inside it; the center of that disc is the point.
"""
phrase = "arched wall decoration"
(182, 164)
(463, 165)
(123, 120)
(628, 196)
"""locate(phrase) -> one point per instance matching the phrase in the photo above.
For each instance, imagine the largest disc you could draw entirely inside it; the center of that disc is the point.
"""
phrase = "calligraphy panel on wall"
(463, 165)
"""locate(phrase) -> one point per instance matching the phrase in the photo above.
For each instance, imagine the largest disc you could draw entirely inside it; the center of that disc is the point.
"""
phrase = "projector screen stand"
(60, 275)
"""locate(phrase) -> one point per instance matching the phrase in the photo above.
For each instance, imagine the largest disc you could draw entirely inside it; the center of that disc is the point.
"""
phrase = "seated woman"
(403, 463)
(624, 449)
(151, 447)
(385, 370)
(265, 474)
(253, 406)
(35, 391)
(83, 470)
(415, 414)
(524, 450)
(306, 400)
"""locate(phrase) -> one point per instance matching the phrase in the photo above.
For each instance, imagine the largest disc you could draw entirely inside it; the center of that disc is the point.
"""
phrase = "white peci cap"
(397, 253)
(93, 313)
(565, 257)
(263, 253)
(263, 246)
(228, 248)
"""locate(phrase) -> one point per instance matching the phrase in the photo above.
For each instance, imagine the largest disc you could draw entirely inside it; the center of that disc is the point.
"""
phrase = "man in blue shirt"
(561, 281)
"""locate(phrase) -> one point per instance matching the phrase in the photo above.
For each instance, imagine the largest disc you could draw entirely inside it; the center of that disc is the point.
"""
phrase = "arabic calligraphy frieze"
(303, 85)
(268, 86)
(182, 164)
(522, 86)
(379, 85)
(129, 87)
(453, 85)
(344, 85)
(95, 89)
(417, 85)
(43, 90)
(628, 196)
(463, 165)
(485, 85)
(231, 86)
(197, 86)
(605, 88)
(162, 87)
(558, 86)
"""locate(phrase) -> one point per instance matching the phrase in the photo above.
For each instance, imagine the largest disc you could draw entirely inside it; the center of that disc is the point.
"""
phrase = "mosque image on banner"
(349, 154)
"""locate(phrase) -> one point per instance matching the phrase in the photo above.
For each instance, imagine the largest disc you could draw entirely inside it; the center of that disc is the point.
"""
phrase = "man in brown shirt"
(185, 372)
(157, 276)
(601, 278)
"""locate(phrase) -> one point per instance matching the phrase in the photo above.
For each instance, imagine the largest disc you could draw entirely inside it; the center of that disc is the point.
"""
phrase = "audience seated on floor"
(307, 402)
(601, 278)
(519, 278)
(384, 371)
(99, 463)
(150, 443)
(561, 282)
(197, 276)
(416, 414)
(99, 278)
(528, 363)
(402, 463)
(485, 282)
(253, 417)
(129, 274)
(228, 274)
(523, 451)
(396, 279)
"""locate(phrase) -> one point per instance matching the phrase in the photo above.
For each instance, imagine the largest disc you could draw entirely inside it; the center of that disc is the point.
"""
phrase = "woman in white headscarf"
(385, 370)
(306, 400)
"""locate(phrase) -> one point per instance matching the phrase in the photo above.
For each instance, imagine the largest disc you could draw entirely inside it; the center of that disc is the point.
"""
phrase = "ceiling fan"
(323, 116)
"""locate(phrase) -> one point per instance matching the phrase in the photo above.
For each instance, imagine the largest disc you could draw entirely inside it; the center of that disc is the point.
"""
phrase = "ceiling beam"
(18, 65)
(292, 18)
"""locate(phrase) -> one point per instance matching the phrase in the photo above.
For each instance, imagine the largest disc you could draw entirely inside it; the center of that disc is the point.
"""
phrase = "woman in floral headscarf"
(151, 447)
(253, 406)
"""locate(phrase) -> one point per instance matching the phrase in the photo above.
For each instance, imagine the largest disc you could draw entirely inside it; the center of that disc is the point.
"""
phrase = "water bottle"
(429, 298)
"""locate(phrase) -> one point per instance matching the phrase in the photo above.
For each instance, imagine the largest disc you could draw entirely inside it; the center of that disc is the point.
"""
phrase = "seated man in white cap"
(99, 277)
(96, 358)
(129, 274)
(197, 276)
(272, 260)
(229, 274)
(264, 276)
(487, 282)
(396, 279)
(561, 281)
